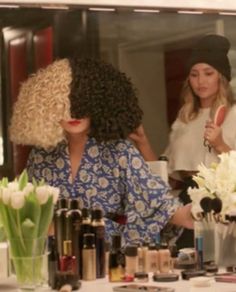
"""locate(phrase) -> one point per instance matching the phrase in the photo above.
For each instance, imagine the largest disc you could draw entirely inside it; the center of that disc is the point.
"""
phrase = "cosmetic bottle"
(164, 259)
(116, 260)
(107, 252)
(60, 223)
(53, 262)
(68, 260)
(174, 256)
(89, 257)
(85, 227)
(145, 250)
(140, 259)
(131, 260)
(73, 222)
(152, 258)
(98, 227)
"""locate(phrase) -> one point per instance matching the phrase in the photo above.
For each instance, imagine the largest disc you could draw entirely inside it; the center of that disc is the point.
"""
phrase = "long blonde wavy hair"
(191, 104)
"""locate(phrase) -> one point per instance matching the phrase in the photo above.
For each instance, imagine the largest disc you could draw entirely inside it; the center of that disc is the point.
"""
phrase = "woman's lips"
(74, 122)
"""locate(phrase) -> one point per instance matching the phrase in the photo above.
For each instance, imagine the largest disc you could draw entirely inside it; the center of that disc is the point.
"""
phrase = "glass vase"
(225, 244)
(29, 265)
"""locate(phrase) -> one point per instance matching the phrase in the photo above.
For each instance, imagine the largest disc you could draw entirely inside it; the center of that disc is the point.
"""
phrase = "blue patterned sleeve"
(149, 204)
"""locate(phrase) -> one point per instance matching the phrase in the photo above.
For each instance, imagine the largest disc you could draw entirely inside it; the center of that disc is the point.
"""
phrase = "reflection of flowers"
(217, 181)
(26, 211)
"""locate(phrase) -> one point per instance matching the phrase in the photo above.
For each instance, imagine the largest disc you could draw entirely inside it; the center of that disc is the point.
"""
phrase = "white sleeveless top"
(186, 150)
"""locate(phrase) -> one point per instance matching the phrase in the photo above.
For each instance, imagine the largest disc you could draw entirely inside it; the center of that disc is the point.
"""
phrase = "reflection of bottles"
(60, 224)
(89, 257)
(85, 227)
(73, 221)
(116, 260)
(68, 261)
(98, 227)
(53, 262)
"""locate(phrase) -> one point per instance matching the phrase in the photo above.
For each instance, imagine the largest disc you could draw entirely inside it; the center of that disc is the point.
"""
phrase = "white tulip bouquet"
(26, 211)
(214, 206)
(217, 183)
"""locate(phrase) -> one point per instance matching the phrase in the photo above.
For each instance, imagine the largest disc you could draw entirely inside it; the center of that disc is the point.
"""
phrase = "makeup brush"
(205, 203)
(216, 205)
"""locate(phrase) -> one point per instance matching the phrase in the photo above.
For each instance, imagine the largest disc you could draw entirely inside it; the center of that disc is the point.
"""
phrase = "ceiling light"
(101, 9)
(147, 10)
(189, 12)
(227, 13)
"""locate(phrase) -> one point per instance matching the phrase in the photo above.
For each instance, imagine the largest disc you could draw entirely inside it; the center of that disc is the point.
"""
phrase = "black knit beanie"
(212, 49)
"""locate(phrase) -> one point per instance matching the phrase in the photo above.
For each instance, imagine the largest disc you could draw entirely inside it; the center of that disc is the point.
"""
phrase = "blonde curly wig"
(42, 103)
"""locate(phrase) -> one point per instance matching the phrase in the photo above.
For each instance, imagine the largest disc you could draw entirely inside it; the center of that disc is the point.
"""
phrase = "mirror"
(150, 48)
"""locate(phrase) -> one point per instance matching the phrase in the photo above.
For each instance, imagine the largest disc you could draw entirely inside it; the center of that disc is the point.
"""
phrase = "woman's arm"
(142, 143)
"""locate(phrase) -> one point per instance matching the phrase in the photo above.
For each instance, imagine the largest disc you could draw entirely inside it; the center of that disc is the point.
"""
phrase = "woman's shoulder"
(119, 146)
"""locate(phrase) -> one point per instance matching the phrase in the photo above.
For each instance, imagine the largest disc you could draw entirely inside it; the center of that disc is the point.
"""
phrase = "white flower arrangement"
(216, 182)
(26, 211)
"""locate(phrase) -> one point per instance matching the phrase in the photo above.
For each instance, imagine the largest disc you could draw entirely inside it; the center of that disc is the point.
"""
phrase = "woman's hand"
(213, 135)
(142, 143)
(139, 135)
(183, 217)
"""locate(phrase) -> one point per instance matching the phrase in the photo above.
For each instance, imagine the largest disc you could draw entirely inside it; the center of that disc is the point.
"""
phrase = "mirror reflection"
(151, 48)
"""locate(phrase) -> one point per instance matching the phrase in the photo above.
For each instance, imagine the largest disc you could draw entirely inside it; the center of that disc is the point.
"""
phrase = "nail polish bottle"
(98, 227)
(89, 257)
(68, 261)
(152, 258)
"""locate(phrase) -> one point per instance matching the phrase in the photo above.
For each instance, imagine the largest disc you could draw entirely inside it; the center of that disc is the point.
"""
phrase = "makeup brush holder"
(225, 244)
(204, 233)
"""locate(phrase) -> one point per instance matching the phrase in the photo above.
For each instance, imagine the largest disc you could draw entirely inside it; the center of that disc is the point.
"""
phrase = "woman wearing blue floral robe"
(77, 114)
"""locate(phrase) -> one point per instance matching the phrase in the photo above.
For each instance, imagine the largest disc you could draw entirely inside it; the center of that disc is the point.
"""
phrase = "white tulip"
(28, 189)
(55, 193)
(42, 194)
(6, 195)
(17, 200)
(13, 186)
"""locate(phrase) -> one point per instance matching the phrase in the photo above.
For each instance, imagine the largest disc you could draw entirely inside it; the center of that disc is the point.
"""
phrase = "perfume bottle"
(73, 222)
(60, 223)
(89, 257)
(68, 261)
(53, 262)
(98, 227)
(116, 260)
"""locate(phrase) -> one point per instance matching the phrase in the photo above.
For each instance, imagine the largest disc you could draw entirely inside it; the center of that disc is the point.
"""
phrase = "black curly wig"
(106, 96)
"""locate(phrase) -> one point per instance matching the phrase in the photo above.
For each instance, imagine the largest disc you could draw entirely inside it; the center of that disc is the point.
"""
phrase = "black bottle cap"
(152, 246)
(62, 203)
(85, 212)
(97, 214)
(74, 204)
(174, 251)
(163, 158)
(131, 250)
(116, 241)
(89, 239)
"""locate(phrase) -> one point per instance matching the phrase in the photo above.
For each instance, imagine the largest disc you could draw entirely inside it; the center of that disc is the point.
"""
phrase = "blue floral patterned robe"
(114, 177)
